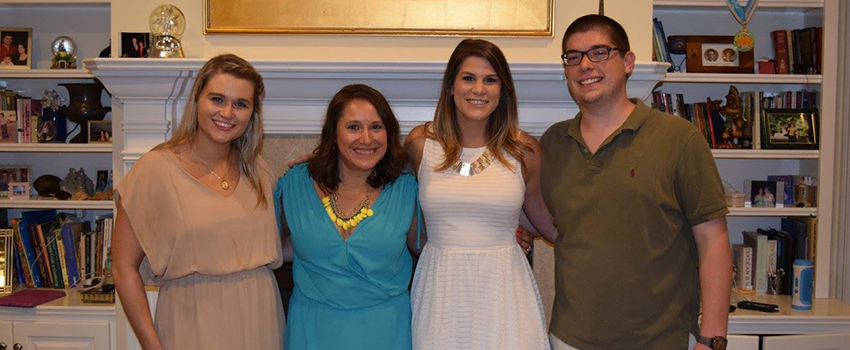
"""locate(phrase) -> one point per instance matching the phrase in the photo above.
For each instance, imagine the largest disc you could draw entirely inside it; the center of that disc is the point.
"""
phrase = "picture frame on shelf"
(11, 174)
(102, 183)
(764, 194)
(716, 54)
(19, 191)
(135, 45)
(100, 131)
(790, 129)
(7, 262)
(15, 48)
(8, 126)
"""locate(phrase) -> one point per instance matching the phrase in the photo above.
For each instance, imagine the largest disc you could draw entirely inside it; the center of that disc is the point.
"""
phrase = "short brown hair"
(586, 23)
(324, 166)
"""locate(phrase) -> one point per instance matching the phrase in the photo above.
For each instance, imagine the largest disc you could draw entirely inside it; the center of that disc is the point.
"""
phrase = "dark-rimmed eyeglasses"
(596, 54)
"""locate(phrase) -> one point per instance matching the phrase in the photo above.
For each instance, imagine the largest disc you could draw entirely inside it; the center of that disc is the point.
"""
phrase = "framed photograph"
(7, 260)
(369, 17)
(764, 194)
(19, 190)
(15, 48)
(100, 131)
(8, 126)
(135, 45)
(716, 54)
(103, 183)
(789, 128)
(13, 173)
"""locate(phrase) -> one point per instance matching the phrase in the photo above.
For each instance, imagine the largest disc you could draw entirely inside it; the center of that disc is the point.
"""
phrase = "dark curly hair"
(324, 166)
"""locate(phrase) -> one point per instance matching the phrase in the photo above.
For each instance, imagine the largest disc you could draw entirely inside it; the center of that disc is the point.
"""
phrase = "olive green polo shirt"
(625, 257)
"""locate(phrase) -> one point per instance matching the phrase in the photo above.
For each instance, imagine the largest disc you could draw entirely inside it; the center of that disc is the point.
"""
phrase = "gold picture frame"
(518, 18)
(19, 39)
(7, 261)
(790, 129)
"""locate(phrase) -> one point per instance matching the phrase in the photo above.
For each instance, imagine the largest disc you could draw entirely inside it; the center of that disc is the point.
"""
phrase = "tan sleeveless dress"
(212, 256)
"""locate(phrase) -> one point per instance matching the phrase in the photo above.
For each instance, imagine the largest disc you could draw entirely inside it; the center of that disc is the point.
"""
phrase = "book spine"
(790, 50)
(780, 49)
(53, 259)
(25, 262)
(772, 254)
(60, 248)
(88, 255)
(743, 258)
(31, 256)
(71, 263)
(41, 256)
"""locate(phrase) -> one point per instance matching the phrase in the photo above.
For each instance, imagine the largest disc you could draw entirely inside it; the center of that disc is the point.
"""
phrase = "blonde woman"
(197, 214)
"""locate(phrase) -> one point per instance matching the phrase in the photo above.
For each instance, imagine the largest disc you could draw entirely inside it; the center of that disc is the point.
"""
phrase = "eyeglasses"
(596, 54)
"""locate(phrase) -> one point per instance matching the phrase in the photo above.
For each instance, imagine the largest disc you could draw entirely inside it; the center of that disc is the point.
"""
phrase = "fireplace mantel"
(149, 94)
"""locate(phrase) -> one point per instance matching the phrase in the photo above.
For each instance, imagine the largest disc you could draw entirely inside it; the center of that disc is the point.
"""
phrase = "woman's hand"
(304, 158)
(524, 238)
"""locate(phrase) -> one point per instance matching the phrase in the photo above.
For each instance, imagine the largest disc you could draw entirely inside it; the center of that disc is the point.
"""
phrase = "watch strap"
(709, 341)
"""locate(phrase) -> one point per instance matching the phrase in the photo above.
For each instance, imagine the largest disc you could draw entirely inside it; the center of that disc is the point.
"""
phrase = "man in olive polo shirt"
(640, 211)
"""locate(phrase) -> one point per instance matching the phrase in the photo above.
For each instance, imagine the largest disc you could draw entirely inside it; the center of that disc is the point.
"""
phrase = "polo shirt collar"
(633, 122)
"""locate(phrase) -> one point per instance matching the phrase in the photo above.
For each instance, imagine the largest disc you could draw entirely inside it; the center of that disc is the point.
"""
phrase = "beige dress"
(212, 256)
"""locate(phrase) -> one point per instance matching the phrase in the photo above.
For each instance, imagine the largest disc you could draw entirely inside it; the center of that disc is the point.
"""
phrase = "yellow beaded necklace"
(330, 202)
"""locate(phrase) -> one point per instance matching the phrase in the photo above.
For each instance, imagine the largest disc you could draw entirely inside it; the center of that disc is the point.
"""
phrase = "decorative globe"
(167, 19)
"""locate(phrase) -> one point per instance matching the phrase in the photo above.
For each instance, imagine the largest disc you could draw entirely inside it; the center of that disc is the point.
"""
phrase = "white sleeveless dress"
(473, 287)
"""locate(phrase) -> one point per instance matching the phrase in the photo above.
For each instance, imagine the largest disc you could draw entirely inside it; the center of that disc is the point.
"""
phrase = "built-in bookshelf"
(65, 322)
(712, 17)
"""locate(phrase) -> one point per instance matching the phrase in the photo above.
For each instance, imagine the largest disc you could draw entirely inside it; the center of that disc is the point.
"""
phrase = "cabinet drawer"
(62, 335)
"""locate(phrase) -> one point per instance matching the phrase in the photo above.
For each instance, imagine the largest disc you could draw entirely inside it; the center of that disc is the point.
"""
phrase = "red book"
(31, 297)
(780, 48)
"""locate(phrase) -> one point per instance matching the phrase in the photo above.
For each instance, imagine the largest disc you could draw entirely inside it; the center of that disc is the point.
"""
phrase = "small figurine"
(739, 127)
(774, 281)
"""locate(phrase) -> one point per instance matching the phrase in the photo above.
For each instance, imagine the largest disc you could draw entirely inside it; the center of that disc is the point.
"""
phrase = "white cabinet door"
(742, 342)
(808, 342)
(62, 335)
(6, 334)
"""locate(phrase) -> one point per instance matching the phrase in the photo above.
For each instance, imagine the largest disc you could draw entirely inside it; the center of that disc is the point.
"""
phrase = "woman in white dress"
(473, 287)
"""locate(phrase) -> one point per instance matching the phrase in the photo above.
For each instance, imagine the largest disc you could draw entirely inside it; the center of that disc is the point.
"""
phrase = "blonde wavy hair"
(502, 126)
(249, 146)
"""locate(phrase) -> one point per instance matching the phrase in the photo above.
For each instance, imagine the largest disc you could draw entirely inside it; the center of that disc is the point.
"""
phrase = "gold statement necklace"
(350, 220)
(469, 169)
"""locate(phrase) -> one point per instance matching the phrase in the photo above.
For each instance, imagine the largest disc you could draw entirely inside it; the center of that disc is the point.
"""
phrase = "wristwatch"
(715, 343)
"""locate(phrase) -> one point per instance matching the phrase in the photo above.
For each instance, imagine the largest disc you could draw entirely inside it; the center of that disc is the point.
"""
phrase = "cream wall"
(132, 16)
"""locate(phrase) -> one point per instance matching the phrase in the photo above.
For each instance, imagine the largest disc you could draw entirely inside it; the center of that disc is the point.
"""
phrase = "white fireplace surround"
(149, 94)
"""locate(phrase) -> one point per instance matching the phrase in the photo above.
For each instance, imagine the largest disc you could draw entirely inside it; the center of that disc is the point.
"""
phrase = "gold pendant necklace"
(223, 182)
(469, 169)
(351, 220)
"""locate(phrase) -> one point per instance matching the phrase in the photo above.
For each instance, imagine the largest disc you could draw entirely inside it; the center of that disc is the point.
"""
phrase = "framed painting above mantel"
(526, 18)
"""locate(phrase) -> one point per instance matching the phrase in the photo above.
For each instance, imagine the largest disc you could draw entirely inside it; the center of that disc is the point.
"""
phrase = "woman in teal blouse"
(349, 222)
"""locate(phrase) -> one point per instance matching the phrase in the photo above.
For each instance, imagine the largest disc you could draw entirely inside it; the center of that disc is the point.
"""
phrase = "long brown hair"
(249, 145)
(502, 129)
(324, 166)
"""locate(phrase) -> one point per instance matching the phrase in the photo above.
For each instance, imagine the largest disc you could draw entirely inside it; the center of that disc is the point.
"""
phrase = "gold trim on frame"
(518, 18)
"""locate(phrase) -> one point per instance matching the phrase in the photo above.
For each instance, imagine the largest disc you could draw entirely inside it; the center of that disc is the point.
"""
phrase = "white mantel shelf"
(151, 93)
(297, 92)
